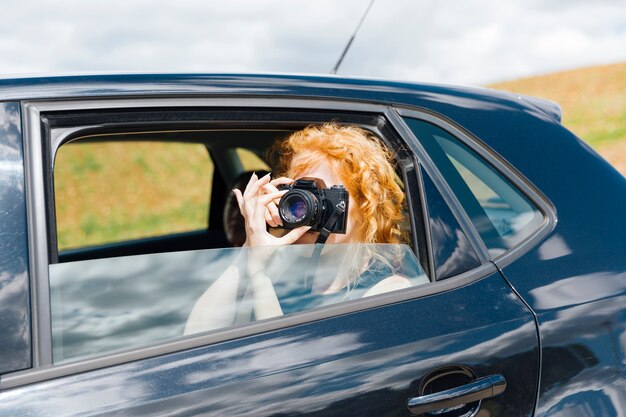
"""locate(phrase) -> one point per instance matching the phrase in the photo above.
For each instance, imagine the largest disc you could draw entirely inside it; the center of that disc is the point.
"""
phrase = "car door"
(462, 344)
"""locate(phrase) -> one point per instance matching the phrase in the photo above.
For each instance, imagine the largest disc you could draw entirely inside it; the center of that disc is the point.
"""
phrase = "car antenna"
(345, 51)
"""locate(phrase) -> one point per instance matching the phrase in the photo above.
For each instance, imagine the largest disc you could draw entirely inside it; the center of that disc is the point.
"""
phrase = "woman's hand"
(258, 206)
(271, 213)
(253, 204)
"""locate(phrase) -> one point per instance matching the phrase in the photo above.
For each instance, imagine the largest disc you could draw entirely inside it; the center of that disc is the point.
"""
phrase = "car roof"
(508, 123)
(321, 86)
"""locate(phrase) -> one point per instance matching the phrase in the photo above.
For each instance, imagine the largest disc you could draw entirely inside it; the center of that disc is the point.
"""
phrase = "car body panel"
(14, 285)
(572, 282)
(361, 364)
(575, 281)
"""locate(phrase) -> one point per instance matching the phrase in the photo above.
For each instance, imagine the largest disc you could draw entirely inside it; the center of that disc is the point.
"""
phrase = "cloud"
(481, 41)
(456, 41)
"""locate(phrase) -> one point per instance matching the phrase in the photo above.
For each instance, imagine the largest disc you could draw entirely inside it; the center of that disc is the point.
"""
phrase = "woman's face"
(324, 170)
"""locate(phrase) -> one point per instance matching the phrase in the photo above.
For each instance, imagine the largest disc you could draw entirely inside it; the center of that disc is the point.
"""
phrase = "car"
(115, 216)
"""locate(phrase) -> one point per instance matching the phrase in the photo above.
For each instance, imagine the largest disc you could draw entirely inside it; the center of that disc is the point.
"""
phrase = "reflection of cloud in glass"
(106, 304)
(14, 322)
(10, 145)
(114, 303)
(452, 252)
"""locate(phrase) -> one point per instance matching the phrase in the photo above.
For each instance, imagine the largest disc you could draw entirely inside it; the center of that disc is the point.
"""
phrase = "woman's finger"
(239, 198)
(293, 235)
(269, 188)
(252, 180)
(281, 181)
(253, 186)
(269, 220)
(260, 206)
(278, 182)
(265, 199)
(272, 210)
(271, 213)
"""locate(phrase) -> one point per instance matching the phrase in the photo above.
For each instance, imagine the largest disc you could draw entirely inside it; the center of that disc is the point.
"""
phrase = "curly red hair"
(363, 163)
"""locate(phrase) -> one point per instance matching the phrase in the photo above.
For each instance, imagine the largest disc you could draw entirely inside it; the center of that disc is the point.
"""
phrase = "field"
(593, 102)
(107, 192)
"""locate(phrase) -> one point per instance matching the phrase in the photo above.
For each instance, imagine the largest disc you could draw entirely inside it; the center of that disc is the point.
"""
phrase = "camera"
(310, 203)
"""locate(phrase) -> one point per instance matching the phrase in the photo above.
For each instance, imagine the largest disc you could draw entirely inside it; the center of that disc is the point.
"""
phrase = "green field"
(112, 191)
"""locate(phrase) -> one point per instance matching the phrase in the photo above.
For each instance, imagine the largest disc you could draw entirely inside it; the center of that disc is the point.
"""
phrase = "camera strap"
(330, 223)
(321, 240)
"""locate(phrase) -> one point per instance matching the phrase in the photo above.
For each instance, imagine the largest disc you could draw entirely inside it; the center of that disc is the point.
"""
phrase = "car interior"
(225, 149)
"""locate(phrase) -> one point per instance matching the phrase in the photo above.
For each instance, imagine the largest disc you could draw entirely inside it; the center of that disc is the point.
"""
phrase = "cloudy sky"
(453, 41)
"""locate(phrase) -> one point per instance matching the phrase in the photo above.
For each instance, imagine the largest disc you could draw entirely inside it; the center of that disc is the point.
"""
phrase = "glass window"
(251, 161)
(118, 290)
(100, 305)
(117, 191)
(502, 215)
(452, 252)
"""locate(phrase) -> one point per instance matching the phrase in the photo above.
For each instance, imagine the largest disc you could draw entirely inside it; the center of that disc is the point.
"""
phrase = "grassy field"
(107, 192)
(593, 101)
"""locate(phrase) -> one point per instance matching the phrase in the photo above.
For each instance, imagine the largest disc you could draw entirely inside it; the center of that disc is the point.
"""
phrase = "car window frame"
(37, 135)
(15, 346)
(521, 184)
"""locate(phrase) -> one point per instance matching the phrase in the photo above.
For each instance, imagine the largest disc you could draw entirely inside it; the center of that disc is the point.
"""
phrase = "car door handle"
(479, 389)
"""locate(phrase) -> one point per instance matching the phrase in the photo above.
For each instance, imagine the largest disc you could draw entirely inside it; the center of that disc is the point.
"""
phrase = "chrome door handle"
(481, 388)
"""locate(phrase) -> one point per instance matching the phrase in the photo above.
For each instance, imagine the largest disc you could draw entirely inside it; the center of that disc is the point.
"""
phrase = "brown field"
(593, 102)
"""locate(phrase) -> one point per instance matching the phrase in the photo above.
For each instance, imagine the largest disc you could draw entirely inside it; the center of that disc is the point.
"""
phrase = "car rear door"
(464, 344)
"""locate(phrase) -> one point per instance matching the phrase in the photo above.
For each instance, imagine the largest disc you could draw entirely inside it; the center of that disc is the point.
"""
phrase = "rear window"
(501, 213)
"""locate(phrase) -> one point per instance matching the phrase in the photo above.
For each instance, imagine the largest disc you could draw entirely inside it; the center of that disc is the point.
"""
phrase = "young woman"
(339, 155)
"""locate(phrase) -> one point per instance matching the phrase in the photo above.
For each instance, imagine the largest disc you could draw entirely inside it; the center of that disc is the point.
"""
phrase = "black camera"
(310, 203)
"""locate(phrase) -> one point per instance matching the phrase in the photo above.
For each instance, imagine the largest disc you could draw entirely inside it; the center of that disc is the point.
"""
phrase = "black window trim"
(35, 145)
(516, 178)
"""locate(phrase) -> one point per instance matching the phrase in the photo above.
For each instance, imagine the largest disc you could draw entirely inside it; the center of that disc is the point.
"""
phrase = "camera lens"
(298, 208)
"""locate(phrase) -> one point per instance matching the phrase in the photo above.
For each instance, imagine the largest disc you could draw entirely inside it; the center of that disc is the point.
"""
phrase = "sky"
(473, 42)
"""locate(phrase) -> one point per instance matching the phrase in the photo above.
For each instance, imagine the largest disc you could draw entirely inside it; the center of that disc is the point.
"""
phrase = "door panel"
(366, 363)
(15, 331)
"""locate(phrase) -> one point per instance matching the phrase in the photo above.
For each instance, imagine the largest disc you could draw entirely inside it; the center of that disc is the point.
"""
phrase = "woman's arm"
(265, 300)
(392, 283)
(254, 203)
(216, 307)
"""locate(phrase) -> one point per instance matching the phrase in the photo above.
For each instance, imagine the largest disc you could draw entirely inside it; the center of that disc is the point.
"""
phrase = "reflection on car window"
(452, 252)
(502, 215)
(109, 304)
(116, 191)
(301, 283)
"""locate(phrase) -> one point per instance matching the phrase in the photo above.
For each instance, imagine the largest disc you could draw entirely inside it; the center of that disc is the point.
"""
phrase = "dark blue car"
(515, 249)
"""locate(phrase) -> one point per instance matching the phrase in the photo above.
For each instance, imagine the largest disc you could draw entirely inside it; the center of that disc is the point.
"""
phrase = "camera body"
(310, 203)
